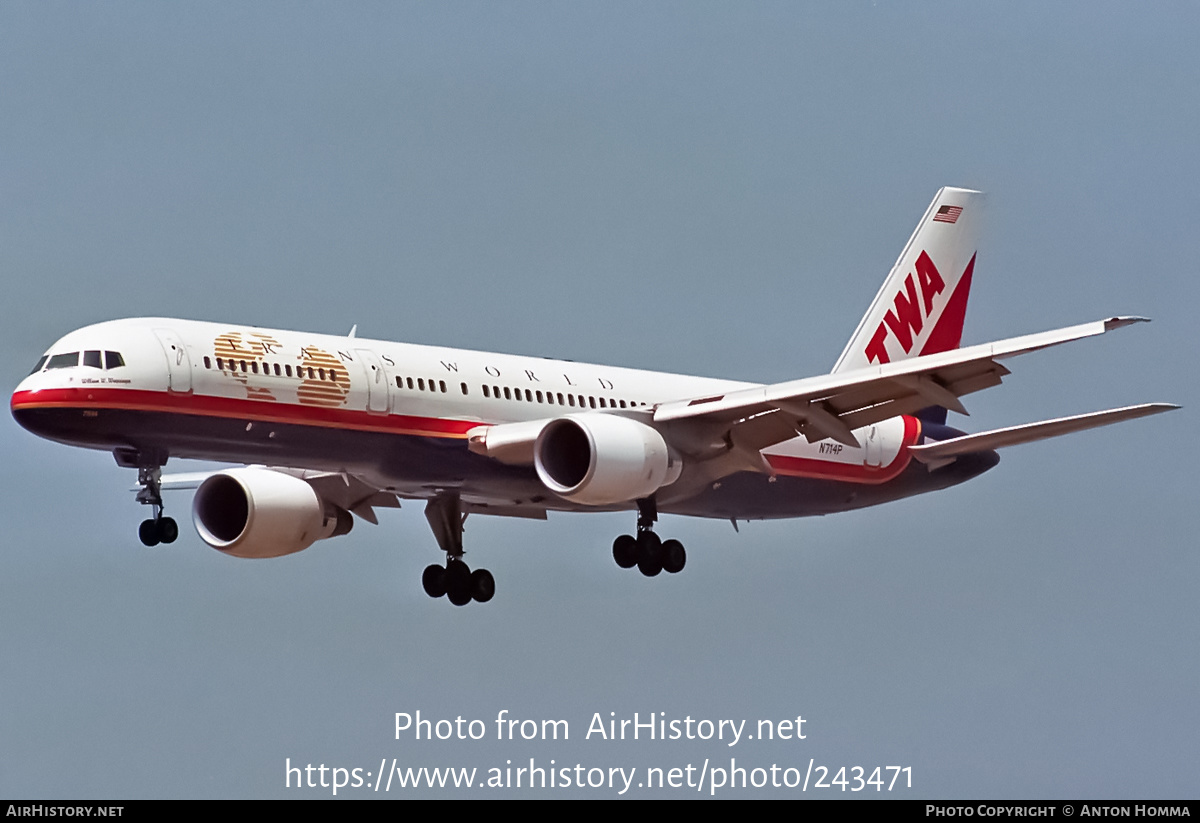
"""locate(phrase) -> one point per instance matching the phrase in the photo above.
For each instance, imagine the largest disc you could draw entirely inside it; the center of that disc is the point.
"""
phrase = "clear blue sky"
(711, 188)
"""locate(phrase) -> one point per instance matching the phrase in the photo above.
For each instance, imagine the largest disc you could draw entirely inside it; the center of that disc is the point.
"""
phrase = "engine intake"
(263, 513)
(601, 459)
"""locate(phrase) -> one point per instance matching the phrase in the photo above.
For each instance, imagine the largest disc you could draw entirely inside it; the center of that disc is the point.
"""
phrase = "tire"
(673, 556)
(458, 583)
(433, 580)
(625, 551)
(148, 533)
(168, 530)
(483, 585)
(650, 556)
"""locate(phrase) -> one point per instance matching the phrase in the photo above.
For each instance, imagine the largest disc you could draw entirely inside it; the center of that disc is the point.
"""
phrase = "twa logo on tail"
(921, 307)
(905, 318)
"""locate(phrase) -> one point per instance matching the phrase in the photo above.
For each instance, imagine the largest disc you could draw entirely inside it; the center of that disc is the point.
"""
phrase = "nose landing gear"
(157, 529)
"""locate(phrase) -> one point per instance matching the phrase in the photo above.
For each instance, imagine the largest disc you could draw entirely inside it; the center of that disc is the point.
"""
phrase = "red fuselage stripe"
(228, 407)
(93, 398)
(853, 473)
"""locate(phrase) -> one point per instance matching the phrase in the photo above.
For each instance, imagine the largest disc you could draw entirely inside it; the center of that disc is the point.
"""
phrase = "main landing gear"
(458, 582)
(157, 529)
(455, 579)
(461, 585)
(646, 551)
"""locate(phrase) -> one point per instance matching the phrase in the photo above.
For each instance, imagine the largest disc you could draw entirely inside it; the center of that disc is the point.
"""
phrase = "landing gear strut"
(646, 551)
(455, 579)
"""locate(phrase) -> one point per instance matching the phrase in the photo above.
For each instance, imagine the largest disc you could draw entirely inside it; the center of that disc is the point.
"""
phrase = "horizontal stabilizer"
(943, 452)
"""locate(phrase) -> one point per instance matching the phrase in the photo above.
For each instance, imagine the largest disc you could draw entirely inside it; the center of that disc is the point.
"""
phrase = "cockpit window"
(41, 362)
(92, 359)
(113, 359)
(64, 361)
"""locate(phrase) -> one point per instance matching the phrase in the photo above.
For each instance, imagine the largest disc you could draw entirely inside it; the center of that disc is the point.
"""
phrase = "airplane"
(329, 428)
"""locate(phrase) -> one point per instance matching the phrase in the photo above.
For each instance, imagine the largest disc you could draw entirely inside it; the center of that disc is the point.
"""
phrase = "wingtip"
(1146, 409)
(1123, 321)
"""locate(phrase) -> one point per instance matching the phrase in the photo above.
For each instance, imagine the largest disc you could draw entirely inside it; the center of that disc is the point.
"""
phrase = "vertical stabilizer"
(921, 306)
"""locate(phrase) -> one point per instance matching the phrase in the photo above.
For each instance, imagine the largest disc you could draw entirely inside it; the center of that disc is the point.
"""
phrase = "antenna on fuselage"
(353, 329)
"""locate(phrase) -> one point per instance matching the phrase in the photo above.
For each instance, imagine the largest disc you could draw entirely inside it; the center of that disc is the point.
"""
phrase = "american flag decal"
(947, 214)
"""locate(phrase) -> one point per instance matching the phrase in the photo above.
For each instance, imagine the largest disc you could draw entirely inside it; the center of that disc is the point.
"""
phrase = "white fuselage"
(250, 384)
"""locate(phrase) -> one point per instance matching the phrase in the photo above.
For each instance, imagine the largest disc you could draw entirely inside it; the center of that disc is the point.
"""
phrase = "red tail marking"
(905, 321)
(905, 318)
(947, 333)
(931, 282)
(875, 350)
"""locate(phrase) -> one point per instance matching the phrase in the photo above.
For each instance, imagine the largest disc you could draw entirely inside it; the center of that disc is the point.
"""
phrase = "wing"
(339, 489)
(834, 405)
(354, 494)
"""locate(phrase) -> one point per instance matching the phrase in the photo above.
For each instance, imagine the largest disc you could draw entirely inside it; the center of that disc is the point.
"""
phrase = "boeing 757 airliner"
(328, 427)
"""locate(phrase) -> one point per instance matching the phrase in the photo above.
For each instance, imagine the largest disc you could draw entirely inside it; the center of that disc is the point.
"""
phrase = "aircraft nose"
(21, 405)
(40, 408)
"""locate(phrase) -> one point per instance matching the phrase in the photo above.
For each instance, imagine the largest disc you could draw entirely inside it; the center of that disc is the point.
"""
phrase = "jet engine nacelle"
(600, 459)
(263, 513)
